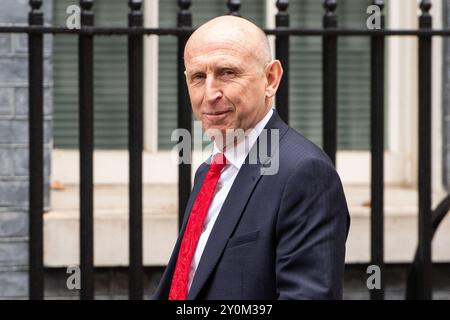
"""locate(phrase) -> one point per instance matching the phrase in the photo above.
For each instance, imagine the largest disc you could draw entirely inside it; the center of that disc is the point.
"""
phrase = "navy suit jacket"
(278, 236)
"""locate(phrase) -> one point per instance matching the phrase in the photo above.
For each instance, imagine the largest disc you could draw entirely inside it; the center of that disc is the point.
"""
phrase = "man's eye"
(228, 72)
(197, 77)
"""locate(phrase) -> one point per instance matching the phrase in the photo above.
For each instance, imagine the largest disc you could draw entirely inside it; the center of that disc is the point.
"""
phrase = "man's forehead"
(213, 62)
(230, 37)
(225, 29)
(209, 45)
(228, 48)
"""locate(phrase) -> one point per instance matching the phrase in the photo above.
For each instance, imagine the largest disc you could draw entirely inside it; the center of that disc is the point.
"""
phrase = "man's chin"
(213, 131)
(225, 137)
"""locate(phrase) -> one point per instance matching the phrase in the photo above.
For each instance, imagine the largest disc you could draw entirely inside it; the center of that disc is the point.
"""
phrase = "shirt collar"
(237, 155)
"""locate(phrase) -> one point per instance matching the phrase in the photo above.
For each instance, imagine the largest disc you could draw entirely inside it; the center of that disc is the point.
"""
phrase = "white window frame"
(151, 16)
(402, 77)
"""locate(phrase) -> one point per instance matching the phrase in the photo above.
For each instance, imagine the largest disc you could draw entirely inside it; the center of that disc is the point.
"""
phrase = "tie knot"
(218, 162)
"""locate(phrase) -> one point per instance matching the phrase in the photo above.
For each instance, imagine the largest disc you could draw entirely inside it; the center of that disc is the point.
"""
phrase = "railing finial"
(282, 5)
(184, 17)
(36, 16)
(135, 17)
(86, 4)
(135, 5)
(379, 3)
(329, 6)
(35, 4)
(234, 6)
(282, 16)
(184, 4)
(425, 6)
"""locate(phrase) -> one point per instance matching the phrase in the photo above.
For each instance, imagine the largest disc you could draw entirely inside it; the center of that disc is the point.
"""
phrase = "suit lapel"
(229, 215)
(231, 211)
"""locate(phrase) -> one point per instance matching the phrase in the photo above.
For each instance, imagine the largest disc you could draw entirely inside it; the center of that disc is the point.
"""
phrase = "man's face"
(226, 85)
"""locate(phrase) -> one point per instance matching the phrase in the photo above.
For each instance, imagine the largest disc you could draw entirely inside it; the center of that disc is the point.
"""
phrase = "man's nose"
(212, 90)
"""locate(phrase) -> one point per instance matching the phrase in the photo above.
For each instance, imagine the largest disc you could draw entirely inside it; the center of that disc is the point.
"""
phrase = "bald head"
(230, 74)
(231, 30)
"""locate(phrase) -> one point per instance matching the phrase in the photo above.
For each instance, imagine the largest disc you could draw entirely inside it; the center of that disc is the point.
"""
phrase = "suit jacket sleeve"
(311, 230)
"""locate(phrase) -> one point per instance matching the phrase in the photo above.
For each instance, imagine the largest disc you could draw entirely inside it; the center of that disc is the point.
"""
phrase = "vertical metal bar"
(184, 19)
(282, 54)
(329, 84)
(86, 141)
(233, 7)
(424, 274)
(135, 145)
(377, 152)
(36, 158)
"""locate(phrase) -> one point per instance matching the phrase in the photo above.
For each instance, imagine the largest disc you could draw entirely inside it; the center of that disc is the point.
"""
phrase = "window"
(305, 100)
(110, 79)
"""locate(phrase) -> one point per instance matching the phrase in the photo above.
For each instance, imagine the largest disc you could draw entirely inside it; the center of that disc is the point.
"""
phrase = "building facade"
(110, 162)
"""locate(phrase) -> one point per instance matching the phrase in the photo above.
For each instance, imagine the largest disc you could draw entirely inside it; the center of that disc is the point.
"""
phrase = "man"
(246, 234)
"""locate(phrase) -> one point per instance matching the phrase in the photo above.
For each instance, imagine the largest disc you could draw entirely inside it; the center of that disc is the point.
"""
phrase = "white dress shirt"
(235, 158)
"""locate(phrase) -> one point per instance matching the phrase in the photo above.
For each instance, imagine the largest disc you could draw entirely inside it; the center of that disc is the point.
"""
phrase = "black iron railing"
(377, 153)
(86, 143)
(419, 281)
(36, 134)
(184, 21)
(136, 144)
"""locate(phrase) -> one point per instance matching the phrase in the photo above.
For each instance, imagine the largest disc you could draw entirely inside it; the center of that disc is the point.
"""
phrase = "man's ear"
(274, 72)
(186, 79)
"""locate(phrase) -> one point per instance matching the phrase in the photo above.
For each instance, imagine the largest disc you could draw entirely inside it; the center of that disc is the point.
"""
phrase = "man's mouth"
(216, 116)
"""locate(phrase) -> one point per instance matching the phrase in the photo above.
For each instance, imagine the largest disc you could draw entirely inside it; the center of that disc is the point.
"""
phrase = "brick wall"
(14, 162)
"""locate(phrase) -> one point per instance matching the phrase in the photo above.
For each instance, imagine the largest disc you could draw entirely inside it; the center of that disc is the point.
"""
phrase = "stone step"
(61, 225)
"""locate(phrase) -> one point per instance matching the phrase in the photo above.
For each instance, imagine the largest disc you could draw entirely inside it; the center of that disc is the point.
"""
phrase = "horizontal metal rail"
(281, 31)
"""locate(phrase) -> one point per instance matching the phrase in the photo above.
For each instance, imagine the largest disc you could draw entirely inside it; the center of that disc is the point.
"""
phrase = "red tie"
(178, 289)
